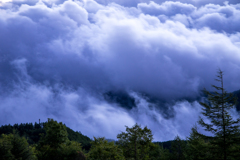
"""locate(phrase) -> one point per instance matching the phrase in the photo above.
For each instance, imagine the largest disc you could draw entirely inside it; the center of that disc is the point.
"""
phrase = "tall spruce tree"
(224, 128)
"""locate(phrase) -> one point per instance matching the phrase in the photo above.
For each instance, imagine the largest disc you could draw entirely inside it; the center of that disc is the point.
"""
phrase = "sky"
(59, 58)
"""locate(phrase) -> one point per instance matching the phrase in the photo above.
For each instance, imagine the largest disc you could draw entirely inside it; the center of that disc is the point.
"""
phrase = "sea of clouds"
(58, 58)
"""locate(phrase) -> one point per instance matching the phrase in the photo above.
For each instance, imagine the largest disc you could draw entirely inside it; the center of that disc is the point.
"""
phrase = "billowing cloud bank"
(58, 58)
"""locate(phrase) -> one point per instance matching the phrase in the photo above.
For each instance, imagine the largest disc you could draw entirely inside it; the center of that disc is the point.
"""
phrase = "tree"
(177, 149)
(5, 148)
(13, 147)
(164, 154)
(157, 152)
(55, 145)
(103, 150)
(72, 151)
(224, 128)
(21, 149)
(197, 148)
(56, 134)
(135, 142)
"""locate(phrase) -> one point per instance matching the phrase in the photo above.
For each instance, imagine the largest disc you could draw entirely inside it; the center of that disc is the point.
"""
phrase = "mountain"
(127, 101)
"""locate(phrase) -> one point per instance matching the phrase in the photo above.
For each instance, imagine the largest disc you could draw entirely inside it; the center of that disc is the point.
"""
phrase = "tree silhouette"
(224, 128)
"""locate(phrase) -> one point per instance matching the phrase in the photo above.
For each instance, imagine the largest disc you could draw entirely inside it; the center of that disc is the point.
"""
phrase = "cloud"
(92, 6)
(134, 3)
(164, 129)
(167, 8)
(220, 18)
(84, 110)
(58, 59)
(126, 3)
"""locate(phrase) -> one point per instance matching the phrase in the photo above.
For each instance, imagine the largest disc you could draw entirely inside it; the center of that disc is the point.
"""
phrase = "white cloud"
(168, 8)
(92, 6)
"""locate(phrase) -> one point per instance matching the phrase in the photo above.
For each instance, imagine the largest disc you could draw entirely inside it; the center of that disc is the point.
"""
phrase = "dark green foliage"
(222, 126)
(5, 148)
(154, 151)
(165, 145)
(178, 148)
(135, 142)
(164, 154)
(72, 150)
(55, 145)
(13, 147)
(28, 130)
(33, 133)
(56, 134)
(21, 149)
(66, 151)
(104, 150)
(197, 148)
(6, 129)
(78, 137)
(50, 145)
(157, 152)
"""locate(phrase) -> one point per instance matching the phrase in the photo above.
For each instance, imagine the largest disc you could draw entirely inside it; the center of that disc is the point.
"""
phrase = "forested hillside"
(34, 132)
(54, 141)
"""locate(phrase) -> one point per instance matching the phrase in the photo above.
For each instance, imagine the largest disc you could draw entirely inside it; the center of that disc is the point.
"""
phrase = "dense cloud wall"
(58, 58)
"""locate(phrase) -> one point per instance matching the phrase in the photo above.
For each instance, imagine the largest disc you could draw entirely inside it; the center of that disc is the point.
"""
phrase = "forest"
(53, 140)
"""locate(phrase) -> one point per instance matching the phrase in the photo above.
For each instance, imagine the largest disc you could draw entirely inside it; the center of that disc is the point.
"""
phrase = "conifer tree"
(56, 133)
(177, 149)
(158, 152)
(224, 128)
(197, 148)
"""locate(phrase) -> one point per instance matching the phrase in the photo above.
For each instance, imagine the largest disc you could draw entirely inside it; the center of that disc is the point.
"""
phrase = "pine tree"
(224, 128)
(197, 148)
